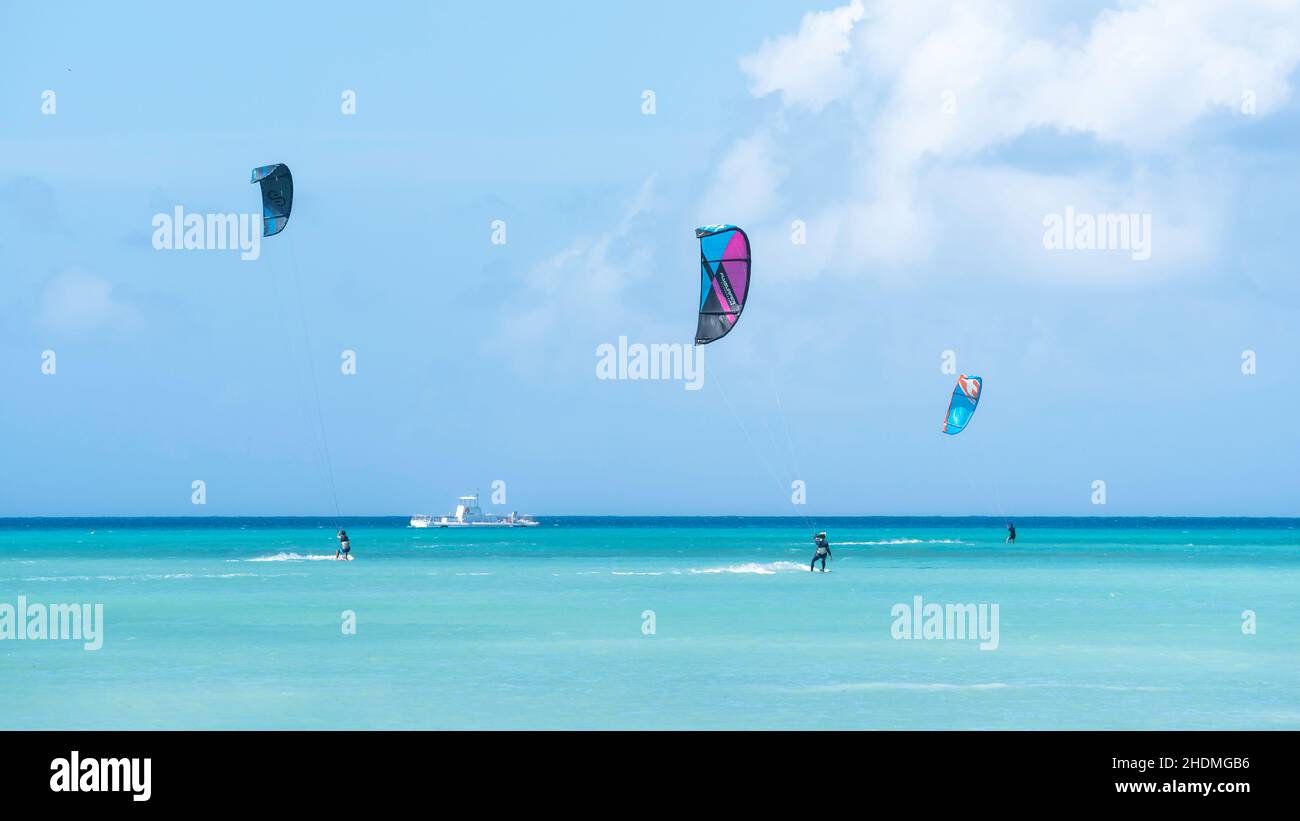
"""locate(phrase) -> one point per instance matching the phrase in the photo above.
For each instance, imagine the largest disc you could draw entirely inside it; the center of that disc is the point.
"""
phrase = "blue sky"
(920, 145)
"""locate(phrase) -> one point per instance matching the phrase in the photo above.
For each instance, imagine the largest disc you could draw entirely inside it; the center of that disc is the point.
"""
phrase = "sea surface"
(690, 623)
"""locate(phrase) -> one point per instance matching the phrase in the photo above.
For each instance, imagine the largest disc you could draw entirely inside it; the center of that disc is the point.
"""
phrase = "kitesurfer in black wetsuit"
(1011, 532)
(823, 552)
(345, 547)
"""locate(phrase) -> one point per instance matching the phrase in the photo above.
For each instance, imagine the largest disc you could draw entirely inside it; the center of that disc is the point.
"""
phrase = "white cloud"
(1005, 208)
(745, 185)
(1147, 72)
(808, 67)
(581, 286)
(80, 301)
(931, 87)
(586, 267)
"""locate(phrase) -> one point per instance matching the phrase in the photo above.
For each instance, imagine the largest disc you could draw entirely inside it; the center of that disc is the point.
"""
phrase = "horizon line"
(792, 517)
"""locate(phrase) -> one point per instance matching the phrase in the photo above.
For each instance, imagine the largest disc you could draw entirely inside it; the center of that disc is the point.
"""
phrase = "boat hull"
(438, 523)
(469, 514)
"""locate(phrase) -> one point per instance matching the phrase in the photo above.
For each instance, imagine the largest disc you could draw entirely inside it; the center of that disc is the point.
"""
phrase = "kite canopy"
(724, 280)
(965, 397)
(277, 196)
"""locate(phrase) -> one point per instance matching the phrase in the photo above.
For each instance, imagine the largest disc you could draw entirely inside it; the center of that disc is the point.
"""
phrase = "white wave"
(136, 577)
(293, 557)
(636, 573)
(903, 541)
(440, 545)
(762, 569)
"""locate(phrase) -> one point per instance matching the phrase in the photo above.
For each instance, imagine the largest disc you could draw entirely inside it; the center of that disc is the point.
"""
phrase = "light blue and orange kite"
(965, 397)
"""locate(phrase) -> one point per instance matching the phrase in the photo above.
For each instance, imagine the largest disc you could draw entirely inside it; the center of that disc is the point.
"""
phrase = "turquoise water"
(236, 623)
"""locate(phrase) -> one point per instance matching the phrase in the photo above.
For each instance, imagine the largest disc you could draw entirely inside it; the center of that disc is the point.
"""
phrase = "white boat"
(469, 514)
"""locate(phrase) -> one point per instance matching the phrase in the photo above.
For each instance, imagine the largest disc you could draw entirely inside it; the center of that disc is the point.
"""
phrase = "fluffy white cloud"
(808, 67)
(940, 84)
(1137, 77)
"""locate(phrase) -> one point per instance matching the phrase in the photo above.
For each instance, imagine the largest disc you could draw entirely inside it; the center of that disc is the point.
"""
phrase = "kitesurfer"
(823, 552)
(345, 546)
(1011, 533)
